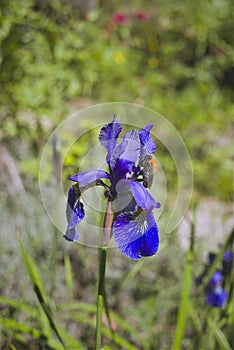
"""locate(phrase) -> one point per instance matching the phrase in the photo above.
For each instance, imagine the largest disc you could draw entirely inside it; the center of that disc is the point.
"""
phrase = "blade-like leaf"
(68, 271)
(19, 305)
(9, 323)
(220, 337)
(38, 289)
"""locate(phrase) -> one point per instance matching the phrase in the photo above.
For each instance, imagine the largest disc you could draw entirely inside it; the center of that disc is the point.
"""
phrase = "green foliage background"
(58, 56)
(178, 62)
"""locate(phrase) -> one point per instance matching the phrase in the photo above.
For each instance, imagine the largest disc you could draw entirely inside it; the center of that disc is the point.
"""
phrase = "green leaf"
(32, 271)
(184, 303)
(68, 274)
(19, 305)
(118, 340)
(38, 289)
(73, 308)
(220, 337)
(9, 323)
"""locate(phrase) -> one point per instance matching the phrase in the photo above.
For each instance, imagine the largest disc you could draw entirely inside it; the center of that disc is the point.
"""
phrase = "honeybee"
(149, 168)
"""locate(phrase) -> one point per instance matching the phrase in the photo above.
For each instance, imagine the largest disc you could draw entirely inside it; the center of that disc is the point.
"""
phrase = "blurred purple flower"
(120, 18)
(216, 279)
(227, 256)
(216, 297)
(141, 16)
(215, 294)
(227, 262)
(130, 206)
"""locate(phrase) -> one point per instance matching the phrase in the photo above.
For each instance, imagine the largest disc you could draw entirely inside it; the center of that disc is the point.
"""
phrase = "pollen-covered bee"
(148, 169)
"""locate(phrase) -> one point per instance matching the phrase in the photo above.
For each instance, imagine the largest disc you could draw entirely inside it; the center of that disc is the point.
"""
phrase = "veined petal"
(89, 177)
(136, 235)
(77, 214)
(142, 196)
(147, 144)
(74, 212)
(74, 206)
(128, 149)
(108, 136)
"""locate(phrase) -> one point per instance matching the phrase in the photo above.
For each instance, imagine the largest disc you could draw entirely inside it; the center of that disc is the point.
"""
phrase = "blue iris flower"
(129, 216)
(216, 295)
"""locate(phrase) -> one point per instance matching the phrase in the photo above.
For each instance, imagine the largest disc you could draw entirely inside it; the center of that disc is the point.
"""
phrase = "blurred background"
(58, 57)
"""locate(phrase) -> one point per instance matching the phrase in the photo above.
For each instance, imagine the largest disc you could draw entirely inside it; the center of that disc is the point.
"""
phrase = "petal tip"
(71, 235)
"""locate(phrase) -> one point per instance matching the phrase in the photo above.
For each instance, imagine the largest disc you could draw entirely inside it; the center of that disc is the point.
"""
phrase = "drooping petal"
(73, 195)
(131, 194)
(147, 144)
(108, 136)
(74, 212)
(89, 177)
(71, 235)
(142, 196)
(77, 215)
(216, 297)
(136, 235)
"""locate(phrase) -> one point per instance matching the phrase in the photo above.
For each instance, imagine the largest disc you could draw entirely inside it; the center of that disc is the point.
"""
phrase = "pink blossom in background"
(141, 15)
(120, 18)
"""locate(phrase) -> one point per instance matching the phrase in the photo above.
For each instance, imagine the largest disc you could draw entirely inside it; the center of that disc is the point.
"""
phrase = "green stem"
(184, 303)
(100, 297)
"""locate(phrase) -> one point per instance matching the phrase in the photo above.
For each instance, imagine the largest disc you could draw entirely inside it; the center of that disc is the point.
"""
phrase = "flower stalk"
(101, 296)
(108, 222)
(107, 228)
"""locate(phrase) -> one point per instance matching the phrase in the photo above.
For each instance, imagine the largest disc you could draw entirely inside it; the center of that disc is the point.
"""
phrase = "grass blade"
(184, 303)
(38, 289)
(118, 340)
(220, 337)
(19, 305)
(100, 298)
(68, 274)
(9, 323)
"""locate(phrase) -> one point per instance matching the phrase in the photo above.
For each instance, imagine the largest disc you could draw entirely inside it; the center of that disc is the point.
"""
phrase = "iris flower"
(216, 295)
(129, 214)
